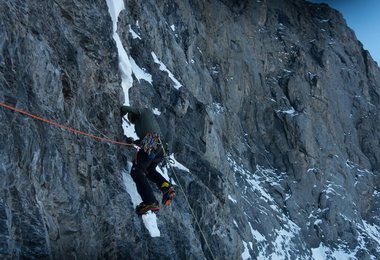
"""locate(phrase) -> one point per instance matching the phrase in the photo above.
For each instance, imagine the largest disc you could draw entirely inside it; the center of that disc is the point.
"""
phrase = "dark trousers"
(144, 168)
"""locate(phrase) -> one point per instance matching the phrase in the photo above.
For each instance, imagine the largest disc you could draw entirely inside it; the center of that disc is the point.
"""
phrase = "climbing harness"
(66, 127)
(188, 203)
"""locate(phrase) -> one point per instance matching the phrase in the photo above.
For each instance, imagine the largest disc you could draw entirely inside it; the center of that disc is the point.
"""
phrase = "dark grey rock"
(277, 120)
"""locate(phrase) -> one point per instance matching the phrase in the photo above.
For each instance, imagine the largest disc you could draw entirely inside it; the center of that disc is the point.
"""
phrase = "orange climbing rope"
(65, 127)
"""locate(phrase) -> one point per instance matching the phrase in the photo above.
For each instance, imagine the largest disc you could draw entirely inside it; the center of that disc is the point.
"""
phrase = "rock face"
(276, 119)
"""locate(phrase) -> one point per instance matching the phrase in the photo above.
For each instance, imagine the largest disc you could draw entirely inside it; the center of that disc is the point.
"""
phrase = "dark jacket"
(145, 120)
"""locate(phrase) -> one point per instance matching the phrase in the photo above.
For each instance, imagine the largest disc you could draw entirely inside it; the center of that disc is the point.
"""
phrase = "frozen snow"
(245, 255)
(150, 222)
(156, 111)
(140, 73)
(283, 245)
(232, 199)
(323, 252)
(217, 108)
(177, 84)
(131, 187)
(114, 8)
(178, 165)
(373, 231)
(129, 130)
(134, 34)
(125, 68)
(290, 111)
(256, 234)
(236, 224)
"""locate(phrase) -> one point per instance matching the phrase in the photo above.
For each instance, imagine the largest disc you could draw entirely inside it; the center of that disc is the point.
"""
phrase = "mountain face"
(272, 106)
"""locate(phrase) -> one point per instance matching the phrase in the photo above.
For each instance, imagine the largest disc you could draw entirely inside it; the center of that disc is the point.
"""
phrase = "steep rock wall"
(276, 121)
(57, 189)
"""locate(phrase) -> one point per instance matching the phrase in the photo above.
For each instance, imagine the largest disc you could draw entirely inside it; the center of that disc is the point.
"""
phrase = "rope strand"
(65, 127)
(188, 202)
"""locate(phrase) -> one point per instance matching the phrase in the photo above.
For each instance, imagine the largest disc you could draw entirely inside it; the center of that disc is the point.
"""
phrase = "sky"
(364, 18)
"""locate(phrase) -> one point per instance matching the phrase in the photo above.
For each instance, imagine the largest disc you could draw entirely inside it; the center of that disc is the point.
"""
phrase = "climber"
(150, 154)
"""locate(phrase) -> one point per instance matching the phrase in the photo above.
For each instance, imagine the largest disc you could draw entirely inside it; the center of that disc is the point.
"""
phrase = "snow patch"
(283, 244)
(156, 111)
(232, 199)
(150, 222)
(290, 111)
(131, 186)
(129, 130)
(252, 179)
(125, 68)
(217, 108)
(323, 252)
(256, 234)
(114, 8)
(245, 255)
(178, 165)
(133, 33)
(177, 84)
(140, 73)
(373, 231)
(236, 224)
(324, 20)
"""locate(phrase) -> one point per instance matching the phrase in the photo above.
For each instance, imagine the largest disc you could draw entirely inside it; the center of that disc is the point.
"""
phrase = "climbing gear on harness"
(150, 144)
(167, 161)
